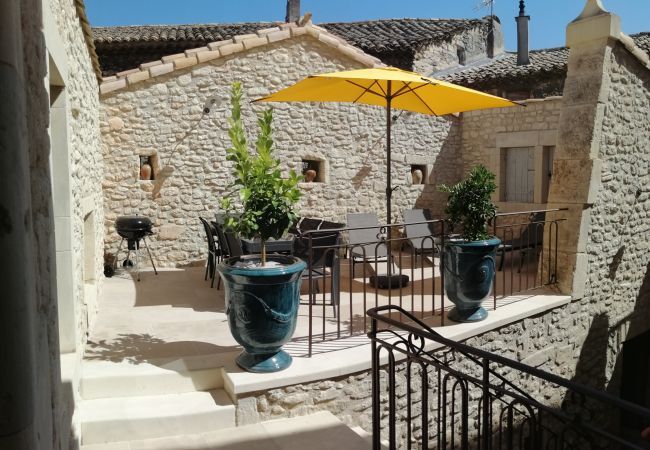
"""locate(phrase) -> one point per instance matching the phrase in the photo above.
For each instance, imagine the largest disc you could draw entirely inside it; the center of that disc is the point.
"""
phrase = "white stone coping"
(237, 44)
(638, 52)
(347, 361)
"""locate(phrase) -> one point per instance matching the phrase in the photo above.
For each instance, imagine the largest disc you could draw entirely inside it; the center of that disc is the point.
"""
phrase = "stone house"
(72, 163)
(149, 111)
(51, 212)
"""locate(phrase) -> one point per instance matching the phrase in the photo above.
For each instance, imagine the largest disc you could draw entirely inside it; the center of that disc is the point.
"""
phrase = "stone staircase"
(182, 404)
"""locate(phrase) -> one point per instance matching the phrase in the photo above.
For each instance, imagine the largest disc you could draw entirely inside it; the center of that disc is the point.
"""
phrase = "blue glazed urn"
(262, 308)
(469, 269)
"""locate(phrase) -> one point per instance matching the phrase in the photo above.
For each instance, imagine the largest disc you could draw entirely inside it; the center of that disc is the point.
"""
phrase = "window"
(520, 174)
(418, 173)
(313, 170)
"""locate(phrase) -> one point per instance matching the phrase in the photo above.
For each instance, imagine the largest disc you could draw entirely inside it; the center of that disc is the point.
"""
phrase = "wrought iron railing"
(432, 392)
(342, 290)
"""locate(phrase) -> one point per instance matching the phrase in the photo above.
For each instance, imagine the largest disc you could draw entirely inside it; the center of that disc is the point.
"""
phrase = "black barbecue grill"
(134, 229)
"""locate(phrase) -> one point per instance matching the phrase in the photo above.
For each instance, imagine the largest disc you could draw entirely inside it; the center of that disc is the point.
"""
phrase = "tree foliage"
(266, 196)
(470, 204)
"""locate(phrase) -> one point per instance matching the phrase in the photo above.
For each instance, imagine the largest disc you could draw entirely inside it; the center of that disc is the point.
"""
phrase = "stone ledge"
(357, 359)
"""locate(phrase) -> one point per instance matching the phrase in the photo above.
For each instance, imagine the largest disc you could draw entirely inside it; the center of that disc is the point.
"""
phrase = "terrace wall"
(152, 117)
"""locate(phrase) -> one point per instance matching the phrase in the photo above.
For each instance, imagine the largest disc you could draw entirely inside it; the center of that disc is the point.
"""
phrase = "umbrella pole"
(389, 189)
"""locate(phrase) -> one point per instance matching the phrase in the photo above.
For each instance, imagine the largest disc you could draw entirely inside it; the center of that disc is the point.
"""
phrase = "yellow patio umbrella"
(391, 88)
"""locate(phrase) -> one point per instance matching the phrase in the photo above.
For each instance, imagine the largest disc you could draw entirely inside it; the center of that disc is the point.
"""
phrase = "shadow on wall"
(591, 369)
(446, 170)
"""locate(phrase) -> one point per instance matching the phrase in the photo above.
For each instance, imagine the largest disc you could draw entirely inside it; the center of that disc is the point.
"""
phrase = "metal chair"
(319, 249)
(364, 241)
(419, 231)
(213, 251)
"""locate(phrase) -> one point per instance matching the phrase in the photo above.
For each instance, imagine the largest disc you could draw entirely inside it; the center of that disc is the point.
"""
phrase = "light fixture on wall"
(167, 170)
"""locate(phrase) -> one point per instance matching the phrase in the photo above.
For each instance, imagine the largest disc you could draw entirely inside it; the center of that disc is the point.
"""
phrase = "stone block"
(146, 65)
(575, 136)
(278, 36)
(161, 69)
(185, 62)
(266, 31)
(540, 358)
(137, 77)
(231, 48)
(599, 27)
(329, 40)
(219, 44)
(571, 181)
(170, 232)
(170, 58)
(243, 37)
(247, 411)
(254, 42)
(111, 86)
(115, 123)
(298, 31)
(208, 56)
(194, 51)
(126, 72)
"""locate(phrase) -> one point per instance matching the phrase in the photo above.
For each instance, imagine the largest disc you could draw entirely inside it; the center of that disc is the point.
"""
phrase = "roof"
(395, 41)
(88, 37)
(226, 47)
(545, 64)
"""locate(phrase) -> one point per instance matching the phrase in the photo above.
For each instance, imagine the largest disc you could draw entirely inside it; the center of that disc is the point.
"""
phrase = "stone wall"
(443, 55)
(152, 117)
(86, 166)
(483, 132)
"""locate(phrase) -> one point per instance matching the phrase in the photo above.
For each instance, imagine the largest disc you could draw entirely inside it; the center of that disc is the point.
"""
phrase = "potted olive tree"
(262, 292)
(469, 258)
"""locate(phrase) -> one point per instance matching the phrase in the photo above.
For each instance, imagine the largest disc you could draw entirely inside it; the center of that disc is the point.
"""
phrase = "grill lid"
(133, 223)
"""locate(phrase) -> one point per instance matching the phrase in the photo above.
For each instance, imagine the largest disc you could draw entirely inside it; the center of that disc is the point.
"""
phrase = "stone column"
(576, 168)
(17, 281)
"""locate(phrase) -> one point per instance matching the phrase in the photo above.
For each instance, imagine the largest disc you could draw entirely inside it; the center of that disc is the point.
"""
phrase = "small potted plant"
(262, 292)
(470, 257)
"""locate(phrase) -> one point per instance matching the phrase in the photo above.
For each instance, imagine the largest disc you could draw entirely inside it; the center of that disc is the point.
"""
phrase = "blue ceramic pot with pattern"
(262, 308)
(469, 269)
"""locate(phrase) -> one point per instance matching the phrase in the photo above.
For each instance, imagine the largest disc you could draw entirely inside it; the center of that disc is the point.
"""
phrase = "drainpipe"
(522, 35)
(293, 11)
(18, 305)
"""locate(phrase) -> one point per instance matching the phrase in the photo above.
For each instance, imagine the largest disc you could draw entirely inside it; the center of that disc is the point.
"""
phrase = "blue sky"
(547, 26)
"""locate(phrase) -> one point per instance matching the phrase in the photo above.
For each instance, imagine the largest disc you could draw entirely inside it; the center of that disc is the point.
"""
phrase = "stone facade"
(152, 117)
(604, 121)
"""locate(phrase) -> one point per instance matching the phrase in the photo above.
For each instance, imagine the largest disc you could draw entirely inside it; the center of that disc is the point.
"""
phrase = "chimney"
(293, 11)
(522, 35)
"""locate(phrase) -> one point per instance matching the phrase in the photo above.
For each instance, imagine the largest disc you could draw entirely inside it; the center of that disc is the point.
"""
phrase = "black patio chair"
(531, 239)
(323, 256)
(364, 242)
(223, 245)
(213, 251)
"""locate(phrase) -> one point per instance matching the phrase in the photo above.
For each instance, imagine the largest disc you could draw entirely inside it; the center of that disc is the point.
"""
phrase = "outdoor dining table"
(254, 246)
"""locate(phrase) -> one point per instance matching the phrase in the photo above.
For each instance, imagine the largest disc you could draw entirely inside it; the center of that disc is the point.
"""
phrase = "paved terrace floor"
(175, 317)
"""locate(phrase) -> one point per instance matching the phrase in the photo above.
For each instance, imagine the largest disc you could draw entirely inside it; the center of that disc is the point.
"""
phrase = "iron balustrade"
(432, 392)
(528, 266)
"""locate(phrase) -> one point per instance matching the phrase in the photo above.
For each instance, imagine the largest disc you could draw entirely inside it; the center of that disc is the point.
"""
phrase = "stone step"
(319, 431)
(135, 418)
(106, 379)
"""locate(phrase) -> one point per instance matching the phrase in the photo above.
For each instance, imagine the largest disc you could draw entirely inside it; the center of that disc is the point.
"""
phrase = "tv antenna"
(485, 4)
